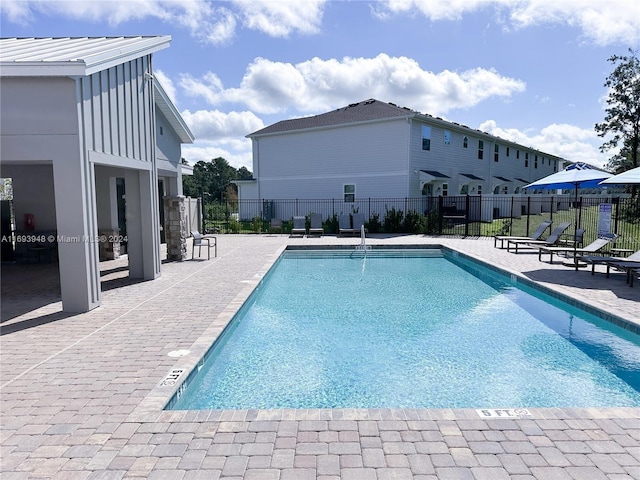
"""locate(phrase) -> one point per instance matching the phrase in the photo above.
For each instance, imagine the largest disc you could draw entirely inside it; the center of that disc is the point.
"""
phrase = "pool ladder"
(363, 244)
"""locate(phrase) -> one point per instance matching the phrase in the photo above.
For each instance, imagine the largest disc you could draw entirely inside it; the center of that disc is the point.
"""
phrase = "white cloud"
(167, 84)
(567, 141)
(216, 125)
(220, 134)
(281, 18)
(206, 152)
(601, 22)
(209, 21)
(318, 85)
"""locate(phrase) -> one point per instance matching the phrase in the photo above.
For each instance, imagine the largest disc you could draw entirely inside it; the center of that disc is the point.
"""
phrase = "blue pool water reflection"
(410, 329)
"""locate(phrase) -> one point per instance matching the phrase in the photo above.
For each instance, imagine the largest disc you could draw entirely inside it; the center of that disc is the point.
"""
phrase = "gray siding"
(453, 159)
(117, 111)
(317, 163)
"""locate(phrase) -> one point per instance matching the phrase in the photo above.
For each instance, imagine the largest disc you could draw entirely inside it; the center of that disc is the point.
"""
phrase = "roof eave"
(88, 66)
(326, 127)
(171, 113)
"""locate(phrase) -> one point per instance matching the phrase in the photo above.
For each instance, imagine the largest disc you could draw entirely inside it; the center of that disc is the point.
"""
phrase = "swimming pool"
(409, 329)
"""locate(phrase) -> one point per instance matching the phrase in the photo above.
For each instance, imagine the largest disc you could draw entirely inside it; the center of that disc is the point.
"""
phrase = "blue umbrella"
(576, 175)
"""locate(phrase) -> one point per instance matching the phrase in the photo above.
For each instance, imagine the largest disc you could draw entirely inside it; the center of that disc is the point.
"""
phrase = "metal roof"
(471, 176)
(435, 173)
(72, 56)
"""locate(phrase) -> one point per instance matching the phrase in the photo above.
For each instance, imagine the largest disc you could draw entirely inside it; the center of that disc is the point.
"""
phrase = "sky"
(529, 71)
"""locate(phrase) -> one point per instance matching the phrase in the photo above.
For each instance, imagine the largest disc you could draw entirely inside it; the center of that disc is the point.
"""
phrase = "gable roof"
(72, 56)
(368, 110)
(169, 110)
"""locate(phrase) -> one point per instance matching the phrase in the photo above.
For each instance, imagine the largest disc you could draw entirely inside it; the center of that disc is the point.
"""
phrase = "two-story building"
(374, 149)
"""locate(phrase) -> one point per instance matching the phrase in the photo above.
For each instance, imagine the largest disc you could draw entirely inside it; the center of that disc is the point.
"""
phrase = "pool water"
(411, 329)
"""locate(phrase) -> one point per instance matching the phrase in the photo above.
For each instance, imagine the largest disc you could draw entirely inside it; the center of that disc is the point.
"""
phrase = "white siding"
(317, 163)
(117, 111)
(453, 159)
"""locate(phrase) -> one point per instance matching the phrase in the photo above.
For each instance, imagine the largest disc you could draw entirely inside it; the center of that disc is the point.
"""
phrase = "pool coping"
(152, 407)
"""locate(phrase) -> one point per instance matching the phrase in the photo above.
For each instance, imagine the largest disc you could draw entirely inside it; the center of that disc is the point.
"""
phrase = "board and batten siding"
(318, 163)
(117, 111)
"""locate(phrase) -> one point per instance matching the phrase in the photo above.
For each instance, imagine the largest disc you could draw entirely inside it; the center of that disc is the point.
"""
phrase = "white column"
(77, 230)
(143, 225)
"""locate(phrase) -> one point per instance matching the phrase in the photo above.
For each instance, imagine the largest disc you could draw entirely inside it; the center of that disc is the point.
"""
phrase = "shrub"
(374, 225)
(256, 224)
(393, 221)
(414, 222)
(234, 225)
(331, 225)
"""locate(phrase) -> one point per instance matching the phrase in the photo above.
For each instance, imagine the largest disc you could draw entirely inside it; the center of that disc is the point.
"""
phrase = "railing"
(464, 215)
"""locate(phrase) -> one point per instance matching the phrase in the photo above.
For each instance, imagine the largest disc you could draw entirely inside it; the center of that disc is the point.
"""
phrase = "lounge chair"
(358, 223)
(200, 241)
(344, 225)
(315, 225)
(275, 225)
(552, 239)
(594, 247)
(630, 267)
(602, 260)
(299, 226)
(537, 235)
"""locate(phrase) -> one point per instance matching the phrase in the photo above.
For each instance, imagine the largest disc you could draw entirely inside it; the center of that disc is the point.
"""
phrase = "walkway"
(81, 395)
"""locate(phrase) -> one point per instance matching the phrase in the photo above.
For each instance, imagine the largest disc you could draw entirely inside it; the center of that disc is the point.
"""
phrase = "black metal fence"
(463, 215)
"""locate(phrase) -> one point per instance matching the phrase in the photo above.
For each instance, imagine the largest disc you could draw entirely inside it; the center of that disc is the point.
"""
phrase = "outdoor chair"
(344, 225)
(537, 235)
(575, 240)
(631, 268)
(552, 239)
(358, 223)
(275, 225)
(594, 247)
(315, 225)
(602, 260)
(299, 226)
(200, 240)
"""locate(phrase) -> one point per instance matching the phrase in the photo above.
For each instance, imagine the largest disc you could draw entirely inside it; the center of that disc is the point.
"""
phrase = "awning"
(502, 179)
(471, 176)
(428, 176)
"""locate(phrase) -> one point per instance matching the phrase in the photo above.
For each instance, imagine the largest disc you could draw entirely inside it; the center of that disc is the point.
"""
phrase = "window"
(465, 142)
(445, 189)
(447, 137)
(507, 151)
(535, 162)
(464, 189)
(349, 193)
(480, 149)
(496, 152)
(161, 130)
(517, 154)
(526, 159)
(479, 189)
(426, 137)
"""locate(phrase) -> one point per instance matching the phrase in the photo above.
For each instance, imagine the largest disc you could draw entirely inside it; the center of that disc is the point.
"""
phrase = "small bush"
(234, 225)
(414, 222)
(331, 225)
(256, 224)
(374, 225)
(393, 220)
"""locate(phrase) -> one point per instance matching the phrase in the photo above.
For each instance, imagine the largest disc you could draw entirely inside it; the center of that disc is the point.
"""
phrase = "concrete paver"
(81, 398)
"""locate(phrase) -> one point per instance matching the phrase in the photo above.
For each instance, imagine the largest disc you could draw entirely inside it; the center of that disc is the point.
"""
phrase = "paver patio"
(81, 396)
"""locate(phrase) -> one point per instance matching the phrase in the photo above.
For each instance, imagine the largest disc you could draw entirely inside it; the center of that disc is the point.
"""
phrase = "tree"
(213, 179)
(622, 118)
